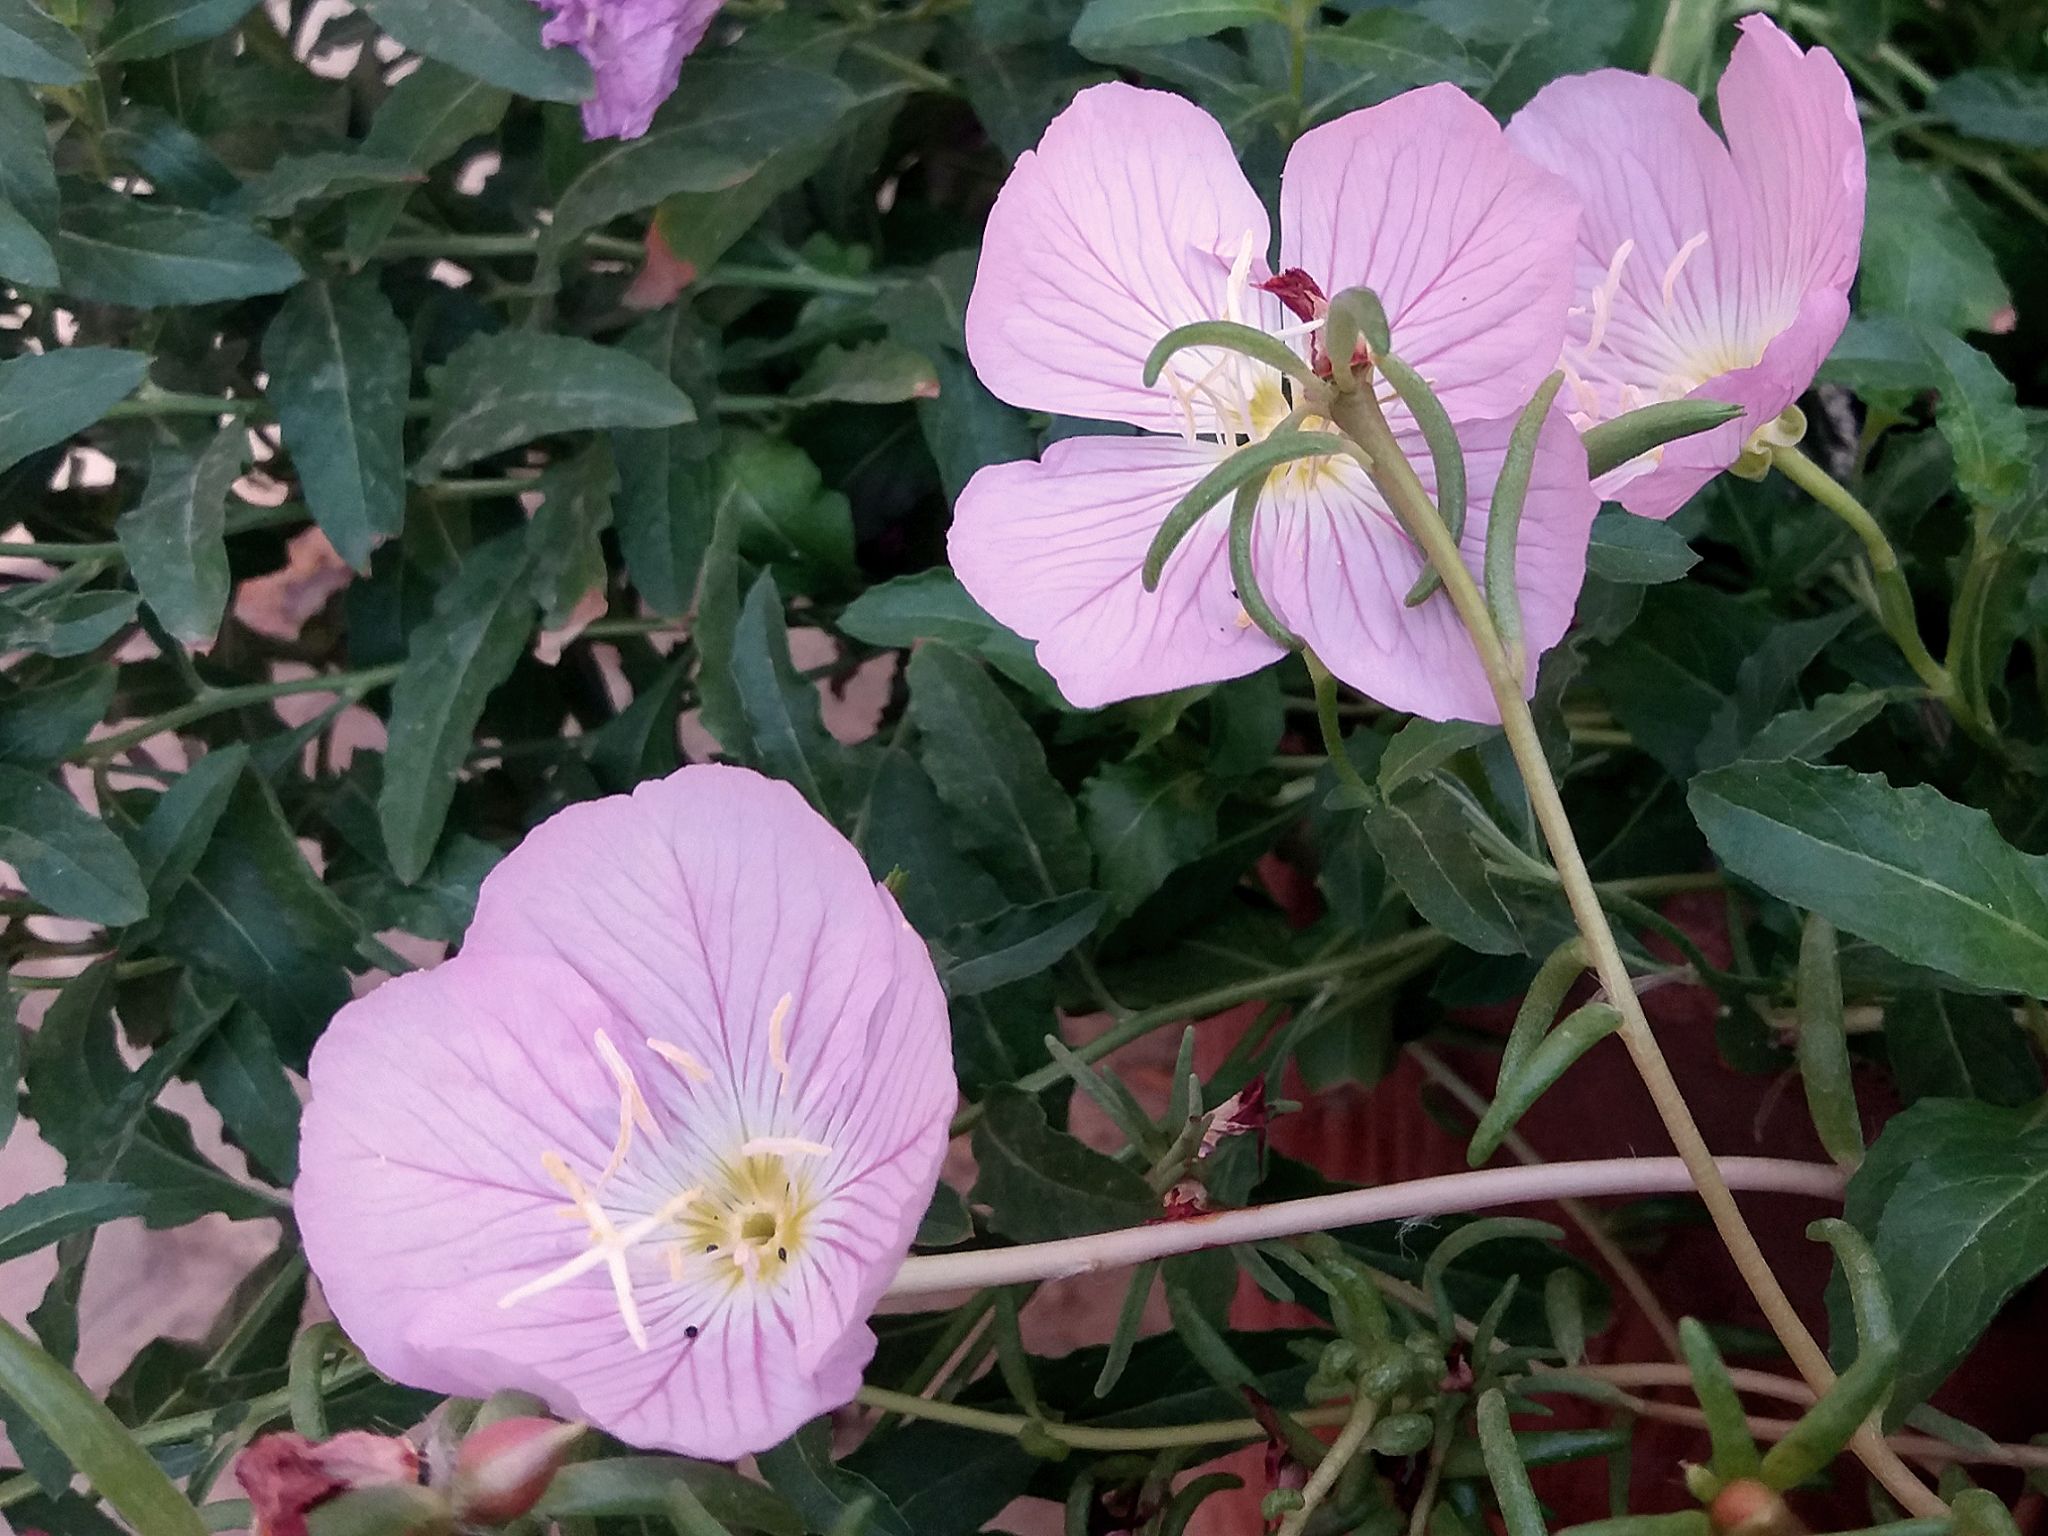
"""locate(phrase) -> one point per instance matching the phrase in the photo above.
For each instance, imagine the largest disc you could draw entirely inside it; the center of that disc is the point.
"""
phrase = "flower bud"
(502, 1470)
(1747, 1507)
(286, 1476)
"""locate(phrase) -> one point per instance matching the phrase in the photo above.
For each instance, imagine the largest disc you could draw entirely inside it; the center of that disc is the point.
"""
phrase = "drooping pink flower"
(1705, 270)
(635, 48)
(653, 1144)
(287, 1476)
(1132, 219)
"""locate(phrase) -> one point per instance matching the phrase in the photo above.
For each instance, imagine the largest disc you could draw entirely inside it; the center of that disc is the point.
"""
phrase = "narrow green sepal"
(1243, 511)
(1253, 460)
(1355, 312)
(1504, 517)
(1613, 443)
(1444, 452)
(1232, 337)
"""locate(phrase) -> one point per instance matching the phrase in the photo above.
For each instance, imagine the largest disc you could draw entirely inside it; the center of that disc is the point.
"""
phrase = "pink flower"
(1705, 270)
(653, 1145)
(1131, 219)
(635, 48)
(286, 1476)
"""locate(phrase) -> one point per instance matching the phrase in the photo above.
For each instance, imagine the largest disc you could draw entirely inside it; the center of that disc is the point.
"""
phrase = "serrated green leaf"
(1953, 1198)
(990, 769)
(498, 391)
(1041, 1184)
(147, 29)
(123, 250)
(494, 40)
(36, 47)
(1912, 871)
(93, 1439)
(46, 397)
(339, 363)
(175, 538)
(66, 858)
(467, 648)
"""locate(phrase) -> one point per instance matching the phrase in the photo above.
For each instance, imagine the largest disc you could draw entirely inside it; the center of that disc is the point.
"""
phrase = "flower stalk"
(1357, 414)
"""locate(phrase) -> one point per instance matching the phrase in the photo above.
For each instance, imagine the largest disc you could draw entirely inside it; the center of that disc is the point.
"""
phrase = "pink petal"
(1337, 567)
(1468, 246)
(1055, 550)
(1798, 150)
(1121, 226)
(635, 48)
(716, 913)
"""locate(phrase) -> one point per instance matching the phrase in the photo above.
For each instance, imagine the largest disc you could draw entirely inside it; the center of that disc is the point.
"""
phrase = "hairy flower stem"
(1357, 414)
(1340, 1455)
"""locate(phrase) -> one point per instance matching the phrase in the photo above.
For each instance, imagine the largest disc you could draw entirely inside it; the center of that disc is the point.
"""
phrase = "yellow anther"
(777, 1057)
(1678, 265)
(680, 1059)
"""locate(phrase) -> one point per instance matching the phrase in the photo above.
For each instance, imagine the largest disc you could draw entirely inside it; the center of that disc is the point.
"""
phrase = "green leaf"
(339, 363)
(784, 725)
(251, 914)
(782, 514)
(65, 623)
(1996, 104)
(562, 537)
(175, 538)
(1017, 942)
(1145, 821)
(147, 29)
(35, 1221)
(1421, 747)
(123, 250)
(45, 397)
(1106, 25)
(1921, 258)
(67, 859)
(932, 605)
(1923, 877)
(1676, 666)
(1953, 1198)
(1639, 550)
(25, 256)
(429, 115)
(1376, 54)
(946, 1223)
(494, 40)
(1427, 843)
(727, 119)
(52, 709)
(903, 829)
(989, 768)
(629, 1486)
(801, 1470)
(1811, 733)
(666, 498)
(1979, 419)
(93, 1439)
(467, 648)
(1959, 1045)
(870, 373)
(242, 1077)
(1042, 1184)
(498, 391)
(36, 47)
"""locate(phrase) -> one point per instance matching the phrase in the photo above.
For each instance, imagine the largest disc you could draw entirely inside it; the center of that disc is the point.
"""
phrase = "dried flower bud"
(502, 1469)
(1747, 1507)
(287, 1475)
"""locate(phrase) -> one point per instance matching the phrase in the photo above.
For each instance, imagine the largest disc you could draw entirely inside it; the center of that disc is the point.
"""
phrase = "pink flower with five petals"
(652, 1146)
(1131, 219)
(1706, 270)
(635, 48)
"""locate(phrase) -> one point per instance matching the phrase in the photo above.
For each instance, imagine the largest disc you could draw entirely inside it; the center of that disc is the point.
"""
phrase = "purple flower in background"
(634, 47)
(654, 1144)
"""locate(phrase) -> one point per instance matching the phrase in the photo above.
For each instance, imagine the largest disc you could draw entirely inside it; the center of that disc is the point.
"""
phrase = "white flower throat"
(741, 1221)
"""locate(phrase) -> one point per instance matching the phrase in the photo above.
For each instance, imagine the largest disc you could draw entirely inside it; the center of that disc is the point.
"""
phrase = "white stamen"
(632, 1107)
(1187, 404)
(777, 1057)
(1603, 296)
(1240, 276)
(784, 1146)
(680, 1059)
(1678, 265)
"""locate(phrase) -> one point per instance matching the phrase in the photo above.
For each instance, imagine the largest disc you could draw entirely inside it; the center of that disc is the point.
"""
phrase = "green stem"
(75, 554)
(920, 75)
(1201, 1005)
(1894, 597)
(218, 700)
(1333, 729)
(1080, 1437)
(1358, 415)
(1340, 1455)
(484, 246)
